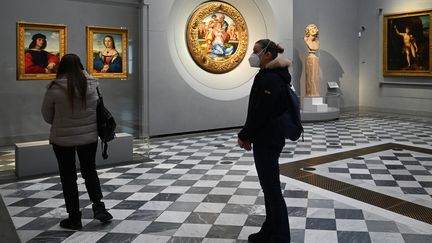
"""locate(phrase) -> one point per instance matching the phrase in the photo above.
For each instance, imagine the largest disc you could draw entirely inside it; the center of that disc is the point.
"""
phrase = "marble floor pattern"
(203, 188)
(403, 174)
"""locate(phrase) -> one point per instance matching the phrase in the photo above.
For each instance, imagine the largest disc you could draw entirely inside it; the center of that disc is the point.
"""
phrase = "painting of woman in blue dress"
(109, 59)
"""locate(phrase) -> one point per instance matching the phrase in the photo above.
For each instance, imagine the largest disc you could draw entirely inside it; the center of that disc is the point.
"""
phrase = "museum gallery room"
(221, 121)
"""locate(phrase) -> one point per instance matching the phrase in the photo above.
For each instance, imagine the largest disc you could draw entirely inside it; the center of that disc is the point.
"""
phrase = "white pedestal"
(314, 104)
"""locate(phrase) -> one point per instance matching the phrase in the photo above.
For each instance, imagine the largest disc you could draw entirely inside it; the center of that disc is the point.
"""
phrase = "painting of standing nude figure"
(106, 52)
(40, 47)
(217, 37)
(407, 44)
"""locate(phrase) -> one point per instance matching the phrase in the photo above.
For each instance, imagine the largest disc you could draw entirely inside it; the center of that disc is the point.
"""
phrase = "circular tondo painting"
(217, 37)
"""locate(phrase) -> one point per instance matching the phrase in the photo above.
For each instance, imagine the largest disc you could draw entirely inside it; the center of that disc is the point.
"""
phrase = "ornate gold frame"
(21, 48)
(91, 30)
(195, 47)
(389, 50)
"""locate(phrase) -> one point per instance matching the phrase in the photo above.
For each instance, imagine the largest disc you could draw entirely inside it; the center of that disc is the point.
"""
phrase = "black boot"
(100, 213)
(73, 222)
(261, 236)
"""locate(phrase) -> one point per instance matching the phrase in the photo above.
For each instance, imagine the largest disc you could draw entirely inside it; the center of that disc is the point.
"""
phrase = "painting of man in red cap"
(37, 59)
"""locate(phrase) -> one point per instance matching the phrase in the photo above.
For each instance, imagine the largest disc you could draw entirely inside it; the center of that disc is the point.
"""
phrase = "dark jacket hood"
(280, 65)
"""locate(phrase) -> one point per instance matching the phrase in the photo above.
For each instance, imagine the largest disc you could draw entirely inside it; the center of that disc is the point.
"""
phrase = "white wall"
(392, 98)
(179, 100)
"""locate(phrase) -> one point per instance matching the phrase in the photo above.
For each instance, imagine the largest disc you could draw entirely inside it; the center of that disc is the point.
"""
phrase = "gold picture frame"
(40, 47)
(217, 37)
(107, 52)
(407, 44)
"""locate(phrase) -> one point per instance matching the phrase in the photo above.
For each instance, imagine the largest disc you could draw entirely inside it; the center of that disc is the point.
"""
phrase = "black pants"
(68, 174)
(267, 166)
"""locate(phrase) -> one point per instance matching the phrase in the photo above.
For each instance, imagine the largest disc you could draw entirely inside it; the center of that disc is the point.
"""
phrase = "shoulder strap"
(288, 88)
(52, 83)
(97, 89)
(290, 94)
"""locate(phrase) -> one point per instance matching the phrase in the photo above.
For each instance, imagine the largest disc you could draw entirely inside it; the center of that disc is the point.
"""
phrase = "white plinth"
(314, 104)
(38, 158)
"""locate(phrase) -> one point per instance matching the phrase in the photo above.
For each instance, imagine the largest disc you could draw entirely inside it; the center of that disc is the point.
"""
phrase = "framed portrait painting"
(107, 52)
(39, 50)
(407, 44)
(217, 37)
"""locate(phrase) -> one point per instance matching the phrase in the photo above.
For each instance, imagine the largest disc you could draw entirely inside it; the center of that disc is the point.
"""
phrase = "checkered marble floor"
(351, 132)
(205, 189)
(402, 174)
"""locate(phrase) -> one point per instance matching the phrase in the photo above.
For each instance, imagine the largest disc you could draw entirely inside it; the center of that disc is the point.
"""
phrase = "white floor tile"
(231, 219)
(173, 217)
(193, 230)
(321, 236)
(131, 226)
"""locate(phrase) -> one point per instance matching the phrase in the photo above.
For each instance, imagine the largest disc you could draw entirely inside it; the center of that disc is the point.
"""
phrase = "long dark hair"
(272, 47)
(71, 67)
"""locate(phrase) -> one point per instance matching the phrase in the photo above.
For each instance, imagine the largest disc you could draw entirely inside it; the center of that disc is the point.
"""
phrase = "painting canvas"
(217, 37)
(107, 52)
(407, 44)
(39, 50)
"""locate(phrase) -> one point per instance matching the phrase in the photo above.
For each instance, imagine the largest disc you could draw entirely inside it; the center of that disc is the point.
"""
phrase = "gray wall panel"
(338, 23)
(394, 98)
(20, 100)
(173, 105)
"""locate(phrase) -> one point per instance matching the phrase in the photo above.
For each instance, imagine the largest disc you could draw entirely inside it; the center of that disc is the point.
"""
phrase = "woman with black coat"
(268, 100)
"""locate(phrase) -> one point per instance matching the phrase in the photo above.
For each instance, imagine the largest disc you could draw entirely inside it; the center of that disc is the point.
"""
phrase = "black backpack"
(106, 125)
(289, 120)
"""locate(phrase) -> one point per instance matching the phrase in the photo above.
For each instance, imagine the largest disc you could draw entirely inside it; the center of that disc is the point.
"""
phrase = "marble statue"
(312, 61)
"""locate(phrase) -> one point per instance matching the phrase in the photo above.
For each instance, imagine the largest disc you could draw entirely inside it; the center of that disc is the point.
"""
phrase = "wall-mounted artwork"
(217, 37)
(407, 44)
(107, 52)
(39, 50)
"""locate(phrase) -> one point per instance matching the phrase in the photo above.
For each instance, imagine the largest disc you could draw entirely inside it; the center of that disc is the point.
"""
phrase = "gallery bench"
(38, 158)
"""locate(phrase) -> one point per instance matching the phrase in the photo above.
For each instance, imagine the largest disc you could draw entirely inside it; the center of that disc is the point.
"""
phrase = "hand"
(248, 146)
(244, 144)
(105, 68)
(51, 66)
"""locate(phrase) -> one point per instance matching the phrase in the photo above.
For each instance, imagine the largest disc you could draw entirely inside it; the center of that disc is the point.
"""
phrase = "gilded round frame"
(224, 52)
